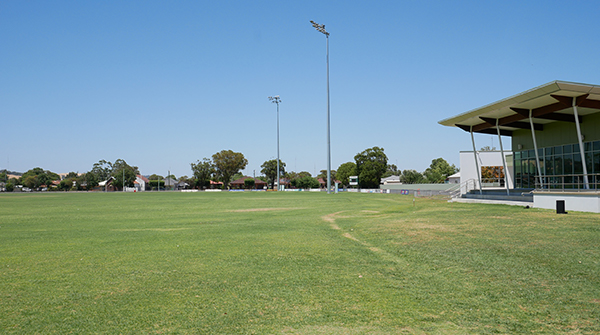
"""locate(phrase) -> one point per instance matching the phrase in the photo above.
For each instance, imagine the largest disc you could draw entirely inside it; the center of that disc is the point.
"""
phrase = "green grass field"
(292, 263)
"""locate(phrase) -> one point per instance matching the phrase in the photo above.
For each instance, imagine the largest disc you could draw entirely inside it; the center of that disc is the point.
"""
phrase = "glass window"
(575, 148)
(587, 146)
(517, 156)
(549, 164)
(589, 162)
(548, 151)
(596, 162)
(518, 167)
(567, 149)
(568, 164)
(596, 145)
(558, 150)
(524, 154)
(577, 165)
(558, 165)
(532, 167)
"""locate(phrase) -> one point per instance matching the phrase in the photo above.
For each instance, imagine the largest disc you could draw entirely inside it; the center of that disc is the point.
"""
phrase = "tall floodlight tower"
(277, 100)
(321, 28)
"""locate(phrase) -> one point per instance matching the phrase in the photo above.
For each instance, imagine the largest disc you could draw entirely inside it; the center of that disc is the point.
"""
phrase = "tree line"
(370, 165)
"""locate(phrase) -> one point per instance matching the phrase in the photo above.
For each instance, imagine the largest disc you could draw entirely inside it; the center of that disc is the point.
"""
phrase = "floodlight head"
(275, 99)
(319, 27)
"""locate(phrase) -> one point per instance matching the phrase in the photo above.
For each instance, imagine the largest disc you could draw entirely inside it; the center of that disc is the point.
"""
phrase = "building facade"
(555, 138)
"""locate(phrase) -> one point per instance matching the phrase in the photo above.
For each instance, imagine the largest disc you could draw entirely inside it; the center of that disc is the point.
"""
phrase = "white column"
(586, 183)
(537, 156)
(506, 174)
(476, 164)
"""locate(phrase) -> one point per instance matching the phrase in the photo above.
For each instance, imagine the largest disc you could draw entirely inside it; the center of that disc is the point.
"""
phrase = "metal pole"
(586, 183)
(503, 159)
(276, 99)
(278, 184)
(476, 165)
(328, 125)
(535, 147)
(321, 28)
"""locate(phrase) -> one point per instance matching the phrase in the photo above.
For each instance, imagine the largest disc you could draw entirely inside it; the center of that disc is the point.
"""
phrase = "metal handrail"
(553, 183)
(455, 190)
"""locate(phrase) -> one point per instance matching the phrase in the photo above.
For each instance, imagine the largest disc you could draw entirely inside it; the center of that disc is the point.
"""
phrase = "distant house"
(181, 185)
(285, 182)
(323, 183)
(391, 180)
(105, 185)
(240, 183)
(453, 179)
(215, 185)
(141, 183)
(170, 183)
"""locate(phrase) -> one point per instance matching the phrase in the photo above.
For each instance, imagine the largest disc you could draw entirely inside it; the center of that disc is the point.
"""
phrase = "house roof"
(456, 175)
(322, 181)
(143, 178)
(241, 181)
(170, 181)
(548, 103)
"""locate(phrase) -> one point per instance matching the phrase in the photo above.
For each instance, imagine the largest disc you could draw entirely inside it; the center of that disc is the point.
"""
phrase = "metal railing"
(456, 190)
(568, 183)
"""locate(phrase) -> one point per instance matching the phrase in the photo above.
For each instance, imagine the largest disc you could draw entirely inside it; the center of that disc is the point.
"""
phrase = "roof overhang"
(552, 102)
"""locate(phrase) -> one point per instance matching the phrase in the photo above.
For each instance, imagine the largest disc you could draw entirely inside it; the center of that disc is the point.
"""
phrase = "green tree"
(123, 170)
(371, 164)
(156, 183)
(439, 170)
(102, 170)
(203, 171)
(65, 184)
(72, 175)
(411, 177)
(90, 180)
(30, 181)
(237, 176)
(323, 175)
(269, 169)
(249, 183)
(392, 170)
(305, 182)
(345, 171)
(42, 177)
(227, 163)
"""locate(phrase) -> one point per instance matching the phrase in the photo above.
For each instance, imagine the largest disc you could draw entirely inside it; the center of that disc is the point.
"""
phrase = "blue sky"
(162, 84)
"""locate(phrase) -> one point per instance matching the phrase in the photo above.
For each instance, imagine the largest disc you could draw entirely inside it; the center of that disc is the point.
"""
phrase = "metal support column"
(476, 165)
(537, 156)
(586, 183)
(503, 159)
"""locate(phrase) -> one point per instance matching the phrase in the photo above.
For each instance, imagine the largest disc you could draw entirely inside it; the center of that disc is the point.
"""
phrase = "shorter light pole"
(277, 100)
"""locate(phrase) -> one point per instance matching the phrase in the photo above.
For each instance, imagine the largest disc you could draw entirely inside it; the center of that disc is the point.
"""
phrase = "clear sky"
(162, 84)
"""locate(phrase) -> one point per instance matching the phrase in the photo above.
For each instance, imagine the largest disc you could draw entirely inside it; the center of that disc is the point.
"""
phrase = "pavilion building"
(555, 138)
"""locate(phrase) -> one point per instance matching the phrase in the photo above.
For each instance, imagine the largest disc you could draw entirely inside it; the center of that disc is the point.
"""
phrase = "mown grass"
(292, 263)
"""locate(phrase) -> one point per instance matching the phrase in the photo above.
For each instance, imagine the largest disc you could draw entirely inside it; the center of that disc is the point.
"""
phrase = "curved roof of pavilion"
(551, 102)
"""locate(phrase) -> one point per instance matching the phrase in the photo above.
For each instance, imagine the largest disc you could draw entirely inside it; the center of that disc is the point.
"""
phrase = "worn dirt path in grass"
(330, 218)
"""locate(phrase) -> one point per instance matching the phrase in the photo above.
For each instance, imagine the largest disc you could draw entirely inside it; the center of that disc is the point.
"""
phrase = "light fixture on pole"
(276, 100)
(321, 28)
